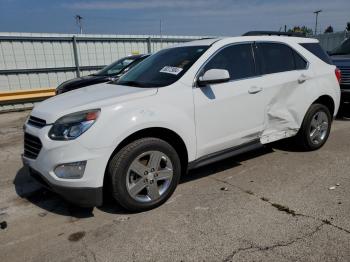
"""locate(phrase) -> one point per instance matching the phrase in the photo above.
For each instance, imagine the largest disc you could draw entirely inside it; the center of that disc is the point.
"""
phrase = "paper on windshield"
(171, 70)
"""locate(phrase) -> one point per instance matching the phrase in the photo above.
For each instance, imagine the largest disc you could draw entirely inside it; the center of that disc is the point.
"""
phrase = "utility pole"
(78, 20)
(316, 13)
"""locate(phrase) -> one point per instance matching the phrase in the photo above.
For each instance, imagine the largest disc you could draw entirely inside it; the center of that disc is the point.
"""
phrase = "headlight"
(71, 126)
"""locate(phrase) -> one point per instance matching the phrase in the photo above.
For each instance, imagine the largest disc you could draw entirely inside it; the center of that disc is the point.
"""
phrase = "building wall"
(330, 41)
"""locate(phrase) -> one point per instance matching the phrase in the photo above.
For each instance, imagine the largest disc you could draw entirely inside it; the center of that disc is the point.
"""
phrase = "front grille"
(37, 122)
(345, 75)
(32, 146)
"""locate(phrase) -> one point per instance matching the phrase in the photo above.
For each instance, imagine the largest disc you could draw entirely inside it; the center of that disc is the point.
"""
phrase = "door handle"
(254, 90)
(302, 78)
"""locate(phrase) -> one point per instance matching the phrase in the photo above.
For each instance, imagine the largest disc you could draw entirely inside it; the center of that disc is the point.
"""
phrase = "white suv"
(181, 108)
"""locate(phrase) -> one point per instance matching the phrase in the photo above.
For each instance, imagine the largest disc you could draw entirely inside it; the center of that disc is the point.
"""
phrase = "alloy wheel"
(319, 127)
(149, 176)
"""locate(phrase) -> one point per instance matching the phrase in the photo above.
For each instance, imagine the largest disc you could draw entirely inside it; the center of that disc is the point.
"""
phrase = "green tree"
(301, 29)
(329, 29)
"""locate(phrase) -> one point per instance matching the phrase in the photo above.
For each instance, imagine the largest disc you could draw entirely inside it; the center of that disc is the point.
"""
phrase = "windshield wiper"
(130, 83)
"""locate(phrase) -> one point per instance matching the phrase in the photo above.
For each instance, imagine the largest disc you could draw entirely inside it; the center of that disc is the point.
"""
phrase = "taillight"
(338, 74)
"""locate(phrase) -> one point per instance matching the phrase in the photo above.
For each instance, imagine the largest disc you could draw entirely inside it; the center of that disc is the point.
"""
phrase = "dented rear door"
(285, 88)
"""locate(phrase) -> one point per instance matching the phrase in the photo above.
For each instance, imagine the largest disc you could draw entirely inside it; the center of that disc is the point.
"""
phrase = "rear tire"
(315, 128)
(144, 174)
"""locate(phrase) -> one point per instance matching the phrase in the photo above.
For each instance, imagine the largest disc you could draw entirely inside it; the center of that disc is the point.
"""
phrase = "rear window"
(317, 50)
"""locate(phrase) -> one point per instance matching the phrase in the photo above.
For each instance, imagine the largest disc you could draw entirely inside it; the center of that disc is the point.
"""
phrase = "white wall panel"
(330, 41)
(44, 54)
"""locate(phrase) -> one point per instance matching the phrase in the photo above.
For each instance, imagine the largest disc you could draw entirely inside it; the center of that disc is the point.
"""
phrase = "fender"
(128, 118)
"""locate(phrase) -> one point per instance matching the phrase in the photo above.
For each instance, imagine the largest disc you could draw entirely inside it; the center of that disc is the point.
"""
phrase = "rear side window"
(275, 58)
(317, 50)
(236, 59)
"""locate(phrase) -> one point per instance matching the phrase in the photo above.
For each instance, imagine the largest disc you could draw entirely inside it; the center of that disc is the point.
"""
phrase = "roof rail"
(255, 33)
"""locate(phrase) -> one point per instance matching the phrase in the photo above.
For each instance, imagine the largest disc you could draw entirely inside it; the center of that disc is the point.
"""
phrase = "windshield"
(163, 68)
(343, 49)
(116, 67)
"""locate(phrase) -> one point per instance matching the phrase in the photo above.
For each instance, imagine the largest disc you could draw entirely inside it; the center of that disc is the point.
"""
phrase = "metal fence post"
(76, 57)
(149, 47)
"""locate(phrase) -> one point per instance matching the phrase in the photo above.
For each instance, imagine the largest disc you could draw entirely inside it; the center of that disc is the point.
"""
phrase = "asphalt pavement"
(273, 204)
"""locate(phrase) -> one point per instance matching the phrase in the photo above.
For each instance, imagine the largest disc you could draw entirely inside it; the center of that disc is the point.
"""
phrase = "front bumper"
(84, 191)
(84, 197)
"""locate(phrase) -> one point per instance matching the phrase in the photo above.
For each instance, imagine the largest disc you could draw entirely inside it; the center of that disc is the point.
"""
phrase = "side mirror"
(214, 76)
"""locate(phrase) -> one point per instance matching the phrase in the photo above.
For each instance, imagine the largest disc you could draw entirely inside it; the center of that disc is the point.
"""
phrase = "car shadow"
(224, 164)
(28, 189)
(344, 112)
(287, 145)
(343, 117)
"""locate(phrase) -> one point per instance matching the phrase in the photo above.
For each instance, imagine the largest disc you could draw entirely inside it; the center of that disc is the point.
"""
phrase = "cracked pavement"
(273, 204)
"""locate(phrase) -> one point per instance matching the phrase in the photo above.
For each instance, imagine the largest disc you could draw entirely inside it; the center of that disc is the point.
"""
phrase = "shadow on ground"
(27, 188)
(287, 145)
(344, 112)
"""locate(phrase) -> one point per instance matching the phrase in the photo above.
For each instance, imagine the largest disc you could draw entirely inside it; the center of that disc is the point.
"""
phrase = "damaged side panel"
(286, 103)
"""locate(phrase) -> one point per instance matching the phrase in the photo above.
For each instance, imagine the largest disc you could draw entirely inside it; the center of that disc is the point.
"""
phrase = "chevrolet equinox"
(181, 108)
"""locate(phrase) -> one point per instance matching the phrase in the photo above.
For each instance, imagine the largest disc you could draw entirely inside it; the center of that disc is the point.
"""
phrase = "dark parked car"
(109, 73)
(341, 58)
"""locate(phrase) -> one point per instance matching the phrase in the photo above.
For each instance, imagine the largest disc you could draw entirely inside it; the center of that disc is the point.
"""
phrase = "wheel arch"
(165, 134)
(327, 101)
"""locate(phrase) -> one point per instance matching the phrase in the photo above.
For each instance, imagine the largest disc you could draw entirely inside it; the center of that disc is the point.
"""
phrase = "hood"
(82, 81)
(91, 97)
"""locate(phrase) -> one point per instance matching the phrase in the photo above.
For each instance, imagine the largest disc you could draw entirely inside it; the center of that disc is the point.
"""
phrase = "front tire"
(316, 127)
(144, 174)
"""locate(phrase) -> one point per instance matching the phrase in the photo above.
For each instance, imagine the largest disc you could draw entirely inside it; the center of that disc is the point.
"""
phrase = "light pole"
(316, 13)
(78, 20)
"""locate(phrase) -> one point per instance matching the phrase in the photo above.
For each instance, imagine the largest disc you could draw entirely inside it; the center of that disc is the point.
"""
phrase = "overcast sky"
(179, 17)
